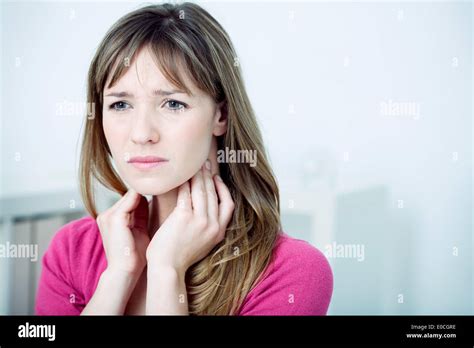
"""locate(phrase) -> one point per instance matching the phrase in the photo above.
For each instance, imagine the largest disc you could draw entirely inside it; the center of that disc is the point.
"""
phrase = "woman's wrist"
(118, 274)
(166, 291)
(112, 293)
(120, 283)
(165, 271)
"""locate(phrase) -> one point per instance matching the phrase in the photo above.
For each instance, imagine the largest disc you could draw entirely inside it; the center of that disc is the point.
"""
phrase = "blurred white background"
(366, 112)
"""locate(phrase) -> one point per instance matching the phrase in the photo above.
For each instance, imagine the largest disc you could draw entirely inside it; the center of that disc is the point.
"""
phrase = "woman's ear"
(220, 119)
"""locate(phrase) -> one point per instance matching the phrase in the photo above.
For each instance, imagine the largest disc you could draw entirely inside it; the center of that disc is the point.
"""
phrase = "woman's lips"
(147, 162)
(147, 165)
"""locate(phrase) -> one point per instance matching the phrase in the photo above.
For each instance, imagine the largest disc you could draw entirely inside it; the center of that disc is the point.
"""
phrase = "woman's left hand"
(198, 222)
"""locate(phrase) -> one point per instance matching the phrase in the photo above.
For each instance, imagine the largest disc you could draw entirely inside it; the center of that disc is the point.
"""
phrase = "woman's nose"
(143, 129)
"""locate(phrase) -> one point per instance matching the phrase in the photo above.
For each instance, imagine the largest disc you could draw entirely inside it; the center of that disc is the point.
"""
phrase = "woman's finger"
(127, 204)
(140, 215)
(226, 205)
(212, 204)
(184, 197)
(198, 194)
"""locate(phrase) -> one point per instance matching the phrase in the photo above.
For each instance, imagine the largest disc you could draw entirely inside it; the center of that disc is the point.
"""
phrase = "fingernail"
(218, 177)
(208, 164)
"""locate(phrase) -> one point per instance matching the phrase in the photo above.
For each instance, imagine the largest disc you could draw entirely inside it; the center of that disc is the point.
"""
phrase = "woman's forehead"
(143, 71)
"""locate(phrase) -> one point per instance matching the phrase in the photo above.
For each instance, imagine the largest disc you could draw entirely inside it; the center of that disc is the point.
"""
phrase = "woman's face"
(145, 115)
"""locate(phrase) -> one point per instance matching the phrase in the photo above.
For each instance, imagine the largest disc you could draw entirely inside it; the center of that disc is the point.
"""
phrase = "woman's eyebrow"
(158, 92)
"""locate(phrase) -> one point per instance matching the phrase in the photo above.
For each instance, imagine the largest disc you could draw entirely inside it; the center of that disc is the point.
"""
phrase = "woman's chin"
(150, 188)
(156, 186)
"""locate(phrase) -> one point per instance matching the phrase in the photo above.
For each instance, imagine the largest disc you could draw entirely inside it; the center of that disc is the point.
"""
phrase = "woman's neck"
(160, 208)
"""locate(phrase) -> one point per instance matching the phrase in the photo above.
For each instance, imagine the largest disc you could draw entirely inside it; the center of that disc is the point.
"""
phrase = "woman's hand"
(198, 222)
(123, 229)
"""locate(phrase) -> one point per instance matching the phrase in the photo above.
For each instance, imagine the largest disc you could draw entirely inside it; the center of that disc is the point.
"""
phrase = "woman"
(168, 96)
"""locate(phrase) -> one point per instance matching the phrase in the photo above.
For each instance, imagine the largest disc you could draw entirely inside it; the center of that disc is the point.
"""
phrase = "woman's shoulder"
(295, 259)
(75, 247)
(289, 247)
(70, 268)
(298, 281)
(78, 228)
(77, 235)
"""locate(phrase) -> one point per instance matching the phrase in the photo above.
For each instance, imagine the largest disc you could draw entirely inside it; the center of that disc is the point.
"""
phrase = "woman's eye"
(172, 105)
(175, 105)
(119, 106)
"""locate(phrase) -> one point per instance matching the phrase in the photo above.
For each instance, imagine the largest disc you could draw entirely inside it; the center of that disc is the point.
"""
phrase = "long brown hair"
(187, 36)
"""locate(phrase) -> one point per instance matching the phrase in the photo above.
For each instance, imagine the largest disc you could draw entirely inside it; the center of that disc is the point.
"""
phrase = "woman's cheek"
(195, 150)
(112, 133)
(115, 145)
(116, 139)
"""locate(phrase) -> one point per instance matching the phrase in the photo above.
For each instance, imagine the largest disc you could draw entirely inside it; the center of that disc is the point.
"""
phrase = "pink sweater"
(299, 280)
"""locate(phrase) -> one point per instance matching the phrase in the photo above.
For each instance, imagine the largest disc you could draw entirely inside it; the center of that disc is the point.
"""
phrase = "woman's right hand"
(124, 232)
